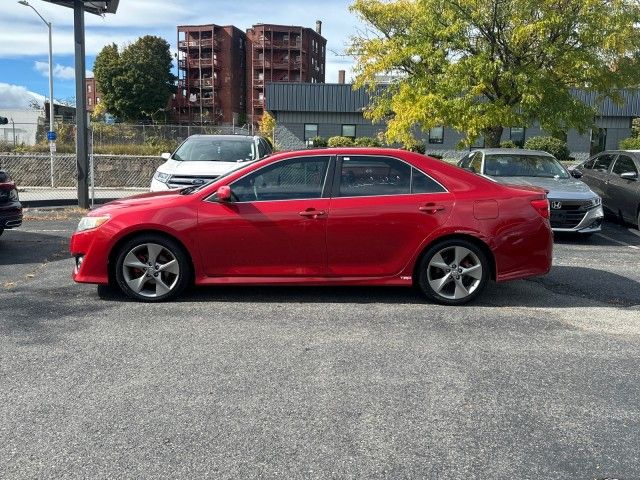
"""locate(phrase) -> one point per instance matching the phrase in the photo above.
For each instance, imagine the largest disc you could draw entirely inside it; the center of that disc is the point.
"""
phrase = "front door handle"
(431, 208)
(313, 213)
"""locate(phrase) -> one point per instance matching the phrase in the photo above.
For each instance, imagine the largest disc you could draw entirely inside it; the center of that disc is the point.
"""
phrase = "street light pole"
(51, 110)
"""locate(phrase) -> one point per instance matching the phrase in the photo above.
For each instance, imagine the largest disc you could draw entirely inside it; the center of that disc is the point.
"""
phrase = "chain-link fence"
(42, 178)
(123, 162)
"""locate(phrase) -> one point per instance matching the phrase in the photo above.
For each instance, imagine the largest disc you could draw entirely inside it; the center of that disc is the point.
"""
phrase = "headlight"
(89, 223)
(161, 177)
(595, 202)
(13, 195)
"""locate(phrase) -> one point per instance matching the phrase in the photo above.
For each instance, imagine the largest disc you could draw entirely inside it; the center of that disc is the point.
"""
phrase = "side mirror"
(223, 193)
(629, 175)
(575, 173)
(166, 156)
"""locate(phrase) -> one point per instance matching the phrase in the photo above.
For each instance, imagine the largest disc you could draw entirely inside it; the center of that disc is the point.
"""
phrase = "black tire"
(429, 272)
(170, 284)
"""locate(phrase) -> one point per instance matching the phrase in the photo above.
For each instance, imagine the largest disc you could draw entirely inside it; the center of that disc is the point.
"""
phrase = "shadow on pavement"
(22, 247)
(564, 287)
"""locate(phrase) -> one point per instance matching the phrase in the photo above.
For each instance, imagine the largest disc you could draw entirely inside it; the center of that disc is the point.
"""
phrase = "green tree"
(267, 127)
(136, 83)
(479, 65)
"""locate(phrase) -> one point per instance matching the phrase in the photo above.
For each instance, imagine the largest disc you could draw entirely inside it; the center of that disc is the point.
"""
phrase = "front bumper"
(90, 251)
(10, 215)
(591, 222)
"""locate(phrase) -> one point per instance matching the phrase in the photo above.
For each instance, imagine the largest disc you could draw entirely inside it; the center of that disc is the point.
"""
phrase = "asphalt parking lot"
(540, 379)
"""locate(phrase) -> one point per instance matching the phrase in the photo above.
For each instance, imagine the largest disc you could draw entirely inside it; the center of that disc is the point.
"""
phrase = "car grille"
(181, 181)
(570, 214)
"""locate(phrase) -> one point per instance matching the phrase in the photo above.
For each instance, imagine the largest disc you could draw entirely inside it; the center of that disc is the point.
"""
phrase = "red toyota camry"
(321, 217)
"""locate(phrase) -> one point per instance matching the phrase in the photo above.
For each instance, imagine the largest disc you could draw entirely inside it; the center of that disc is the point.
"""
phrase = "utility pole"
(82, 134)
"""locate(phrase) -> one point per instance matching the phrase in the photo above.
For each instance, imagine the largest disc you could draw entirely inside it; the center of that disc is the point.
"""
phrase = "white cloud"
(17, 96)
(60, 72)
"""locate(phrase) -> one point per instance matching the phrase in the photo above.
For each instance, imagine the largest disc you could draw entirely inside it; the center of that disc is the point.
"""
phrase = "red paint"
(330, 241)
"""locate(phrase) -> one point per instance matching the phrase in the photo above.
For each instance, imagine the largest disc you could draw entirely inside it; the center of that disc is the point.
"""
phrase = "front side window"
(349, 131)
(624, 164)
(476, 163)
(603, 162)
(365, 176)
(508, 165)
(294, 179)
(436, 135)
(310, 131)
(216, 149)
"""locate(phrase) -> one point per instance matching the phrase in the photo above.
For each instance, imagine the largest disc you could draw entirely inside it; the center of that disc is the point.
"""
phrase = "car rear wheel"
(454, 272)
(152, 268)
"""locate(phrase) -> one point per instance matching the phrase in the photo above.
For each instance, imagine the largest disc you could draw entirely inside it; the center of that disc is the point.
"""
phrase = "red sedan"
(322, 217)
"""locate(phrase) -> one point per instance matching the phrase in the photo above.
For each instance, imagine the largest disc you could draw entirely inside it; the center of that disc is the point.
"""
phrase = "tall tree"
(137, 82)
(479, 65)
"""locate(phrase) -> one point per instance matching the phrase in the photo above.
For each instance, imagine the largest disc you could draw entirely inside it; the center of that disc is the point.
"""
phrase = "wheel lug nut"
(448, 270)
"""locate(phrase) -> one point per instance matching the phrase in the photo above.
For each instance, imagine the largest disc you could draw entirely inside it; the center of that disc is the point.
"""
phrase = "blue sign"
(52, 136)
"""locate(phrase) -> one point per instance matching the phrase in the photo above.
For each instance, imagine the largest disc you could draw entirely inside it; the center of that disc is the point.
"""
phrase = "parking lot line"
(624, 244)
(634, 231)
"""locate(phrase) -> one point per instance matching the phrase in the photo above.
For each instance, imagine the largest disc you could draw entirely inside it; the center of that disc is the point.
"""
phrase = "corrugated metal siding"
(326, 97)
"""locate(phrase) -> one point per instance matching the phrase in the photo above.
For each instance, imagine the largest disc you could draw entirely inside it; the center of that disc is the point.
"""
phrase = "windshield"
(211, 149)
(523, 166)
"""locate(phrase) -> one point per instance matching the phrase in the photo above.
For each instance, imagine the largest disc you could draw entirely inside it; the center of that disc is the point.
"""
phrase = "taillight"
(542, 207)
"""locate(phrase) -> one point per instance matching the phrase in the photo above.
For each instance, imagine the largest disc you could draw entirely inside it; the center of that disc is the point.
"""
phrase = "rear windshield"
(523, 166)
(216, 150)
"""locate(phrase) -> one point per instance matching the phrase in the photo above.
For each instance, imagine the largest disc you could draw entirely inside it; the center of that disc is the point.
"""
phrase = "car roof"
(226, 137)
(511, 151)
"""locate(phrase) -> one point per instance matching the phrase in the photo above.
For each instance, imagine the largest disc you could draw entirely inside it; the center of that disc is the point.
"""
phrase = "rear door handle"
(431, 208)
(313, 213)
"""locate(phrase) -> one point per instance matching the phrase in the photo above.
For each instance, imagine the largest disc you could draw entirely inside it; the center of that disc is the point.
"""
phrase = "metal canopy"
(90, 6)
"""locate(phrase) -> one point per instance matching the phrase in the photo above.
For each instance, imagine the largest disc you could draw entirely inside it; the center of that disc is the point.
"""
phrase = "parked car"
(10, 207)
(343, 216)
(574, 206)
(202, 158)
(614, 176)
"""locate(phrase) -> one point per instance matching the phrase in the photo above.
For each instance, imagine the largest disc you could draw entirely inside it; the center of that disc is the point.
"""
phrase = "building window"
(89, 88)
(310, 132)
(97, 99)
(517, 135)
(349, 131)
(436, 135)
(90, 102)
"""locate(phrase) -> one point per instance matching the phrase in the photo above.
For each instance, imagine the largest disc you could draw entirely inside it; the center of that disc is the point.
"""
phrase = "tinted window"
(262, 148)
(589, 165)
(603, 162)
(371, 176)
(298, 178)
(420, 183)
(624, 164)
(217, 149)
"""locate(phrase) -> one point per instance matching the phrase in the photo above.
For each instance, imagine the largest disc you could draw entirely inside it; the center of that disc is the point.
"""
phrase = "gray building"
(305, 110)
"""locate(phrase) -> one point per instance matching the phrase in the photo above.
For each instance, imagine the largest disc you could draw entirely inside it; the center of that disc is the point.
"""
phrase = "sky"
(24, 42)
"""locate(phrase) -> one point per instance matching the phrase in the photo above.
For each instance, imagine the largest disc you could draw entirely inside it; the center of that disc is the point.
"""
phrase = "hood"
(200, 168)
(144, 199)
(558, 188)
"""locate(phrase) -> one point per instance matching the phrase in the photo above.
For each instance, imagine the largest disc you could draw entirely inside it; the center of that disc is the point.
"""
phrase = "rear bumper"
(10, 215)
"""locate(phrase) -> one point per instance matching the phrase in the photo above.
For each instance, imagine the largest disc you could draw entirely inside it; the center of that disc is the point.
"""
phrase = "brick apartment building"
(279, 53)
(93, 94)
(222, 71)
(211, 74)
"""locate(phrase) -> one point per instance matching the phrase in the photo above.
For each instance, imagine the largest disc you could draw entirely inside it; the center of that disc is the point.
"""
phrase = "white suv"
(202, 158)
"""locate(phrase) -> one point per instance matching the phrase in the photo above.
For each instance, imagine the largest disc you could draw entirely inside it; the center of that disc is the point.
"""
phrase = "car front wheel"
(454, 272)
(152, 268)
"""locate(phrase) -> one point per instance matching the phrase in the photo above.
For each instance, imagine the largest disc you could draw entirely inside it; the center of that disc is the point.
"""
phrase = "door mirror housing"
(166, 156)
(223, 194)
(629, 175)
(575, 173)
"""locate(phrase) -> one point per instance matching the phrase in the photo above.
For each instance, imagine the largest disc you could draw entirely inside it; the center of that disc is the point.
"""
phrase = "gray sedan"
(614, 176)
(574, 206)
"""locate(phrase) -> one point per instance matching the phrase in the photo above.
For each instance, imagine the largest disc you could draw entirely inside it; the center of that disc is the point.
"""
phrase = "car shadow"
(563, 287)
(612, 234)
(21, 247)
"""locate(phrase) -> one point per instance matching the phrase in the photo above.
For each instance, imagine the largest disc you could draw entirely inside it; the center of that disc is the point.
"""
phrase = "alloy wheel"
(454, 273)
(151, 270)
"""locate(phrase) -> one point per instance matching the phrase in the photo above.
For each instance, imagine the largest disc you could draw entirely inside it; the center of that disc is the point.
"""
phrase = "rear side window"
(589, 165)
(364, 176)
(624, 164)
(603, 162)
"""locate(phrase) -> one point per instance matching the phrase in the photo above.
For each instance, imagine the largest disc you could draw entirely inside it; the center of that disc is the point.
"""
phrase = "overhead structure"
(82, 122)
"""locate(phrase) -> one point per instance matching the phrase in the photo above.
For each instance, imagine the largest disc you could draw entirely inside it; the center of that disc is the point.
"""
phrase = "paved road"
(541, 379)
